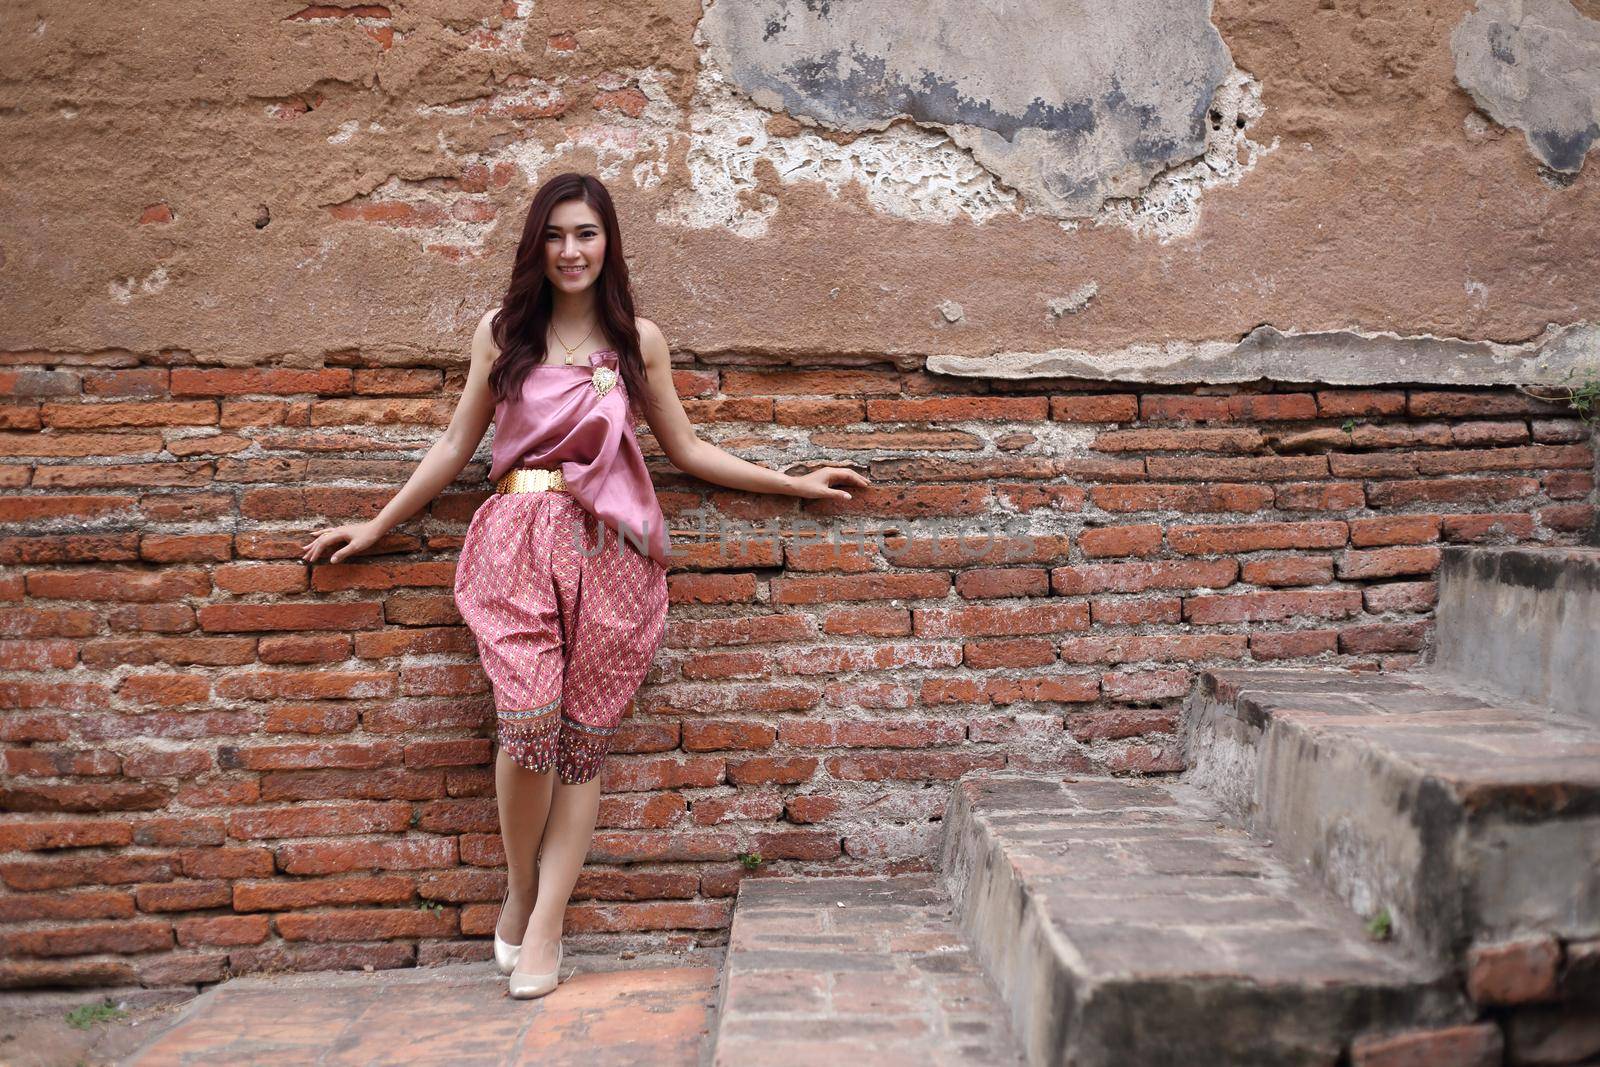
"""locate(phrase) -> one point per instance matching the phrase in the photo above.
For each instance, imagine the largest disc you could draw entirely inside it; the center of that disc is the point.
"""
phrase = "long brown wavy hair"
(519, 327)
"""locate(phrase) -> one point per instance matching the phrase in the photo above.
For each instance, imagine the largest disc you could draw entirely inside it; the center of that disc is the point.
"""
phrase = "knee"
(529, 762)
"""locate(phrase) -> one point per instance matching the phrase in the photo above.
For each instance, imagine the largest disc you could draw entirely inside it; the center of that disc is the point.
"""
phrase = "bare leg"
(524, 799)
(573, 812)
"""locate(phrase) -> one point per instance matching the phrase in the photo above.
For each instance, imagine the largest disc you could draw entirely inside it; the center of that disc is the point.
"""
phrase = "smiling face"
(574, 246)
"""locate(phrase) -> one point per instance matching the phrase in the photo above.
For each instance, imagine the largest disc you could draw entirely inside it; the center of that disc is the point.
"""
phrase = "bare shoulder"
(486, 322)
(652, 342)
(483, 344)
(648, 330)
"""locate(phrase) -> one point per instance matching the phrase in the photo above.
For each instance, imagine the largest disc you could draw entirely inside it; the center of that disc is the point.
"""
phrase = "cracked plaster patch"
(1169, 207)
(932, 173)
(637, 145)
(1068, 104)
(1074, 301)
(123, 290)
(446, 216)
(449, 213)
(1534, 65)
(905, 171)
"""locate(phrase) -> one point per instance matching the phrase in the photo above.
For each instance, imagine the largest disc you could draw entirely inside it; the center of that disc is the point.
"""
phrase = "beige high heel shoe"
(526, 986)
(505, 953)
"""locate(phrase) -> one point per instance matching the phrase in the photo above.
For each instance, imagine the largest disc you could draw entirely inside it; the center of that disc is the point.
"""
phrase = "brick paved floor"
(625, 1014)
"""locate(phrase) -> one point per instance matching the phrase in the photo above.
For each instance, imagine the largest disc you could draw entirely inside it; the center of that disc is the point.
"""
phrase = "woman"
(562, 575)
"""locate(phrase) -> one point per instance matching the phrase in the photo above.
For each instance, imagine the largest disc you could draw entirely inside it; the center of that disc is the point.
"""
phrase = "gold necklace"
(572, 348)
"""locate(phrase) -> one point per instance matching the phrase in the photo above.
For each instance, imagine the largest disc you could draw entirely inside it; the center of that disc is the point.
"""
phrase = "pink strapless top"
(563, 420)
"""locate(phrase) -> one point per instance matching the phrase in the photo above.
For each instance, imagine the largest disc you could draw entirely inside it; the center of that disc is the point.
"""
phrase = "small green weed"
(430, 905)
(1348, 426)
(1381, 926)
(1583, 396)
(86, 1015)
(751, 860)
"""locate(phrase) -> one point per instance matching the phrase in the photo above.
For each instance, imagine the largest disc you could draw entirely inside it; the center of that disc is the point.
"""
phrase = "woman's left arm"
(672, 428)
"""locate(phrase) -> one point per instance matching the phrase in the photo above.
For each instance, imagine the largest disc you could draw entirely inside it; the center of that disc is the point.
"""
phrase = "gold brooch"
(604, 378)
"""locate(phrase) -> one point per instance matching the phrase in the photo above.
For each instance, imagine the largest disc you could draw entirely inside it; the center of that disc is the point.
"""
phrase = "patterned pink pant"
(567, 619)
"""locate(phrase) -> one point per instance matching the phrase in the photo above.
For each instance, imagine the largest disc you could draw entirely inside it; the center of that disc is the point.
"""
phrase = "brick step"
(1524, 621)
(1126, 922)
(1468, 816)
(858, 970)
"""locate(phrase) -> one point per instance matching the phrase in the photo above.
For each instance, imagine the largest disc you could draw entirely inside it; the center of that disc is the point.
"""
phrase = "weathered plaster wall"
(341, 177)
(241, 252)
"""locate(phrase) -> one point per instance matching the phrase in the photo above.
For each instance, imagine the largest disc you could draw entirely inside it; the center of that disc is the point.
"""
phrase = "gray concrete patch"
(1534, 65)
(1525, 621)
(1091, 103)
(1339, 357)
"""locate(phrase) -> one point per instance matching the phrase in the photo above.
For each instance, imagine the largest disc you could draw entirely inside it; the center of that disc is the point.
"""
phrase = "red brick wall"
(219, 760)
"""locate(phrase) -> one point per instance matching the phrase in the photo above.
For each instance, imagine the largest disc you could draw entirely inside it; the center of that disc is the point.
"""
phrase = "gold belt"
(531, 480)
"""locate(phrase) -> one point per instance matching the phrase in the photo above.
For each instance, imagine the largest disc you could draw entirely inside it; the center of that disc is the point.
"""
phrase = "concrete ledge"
(1524, 621)
(1344, 357)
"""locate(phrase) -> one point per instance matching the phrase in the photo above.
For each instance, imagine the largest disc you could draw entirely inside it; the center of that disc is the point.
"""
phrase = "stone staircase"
(876, 968)
(1126, 922)
(1465, 816)
(1356, 870)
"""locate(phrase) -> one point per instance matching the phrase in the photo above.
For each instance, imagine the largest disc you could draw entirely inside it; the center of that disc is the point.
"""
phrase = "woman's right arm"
(441, 466)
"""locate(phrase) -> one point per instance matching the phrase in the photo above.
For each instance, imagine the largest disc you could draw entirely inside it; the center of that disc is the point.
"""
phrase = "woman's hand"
(359, 535)
(818, 485)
